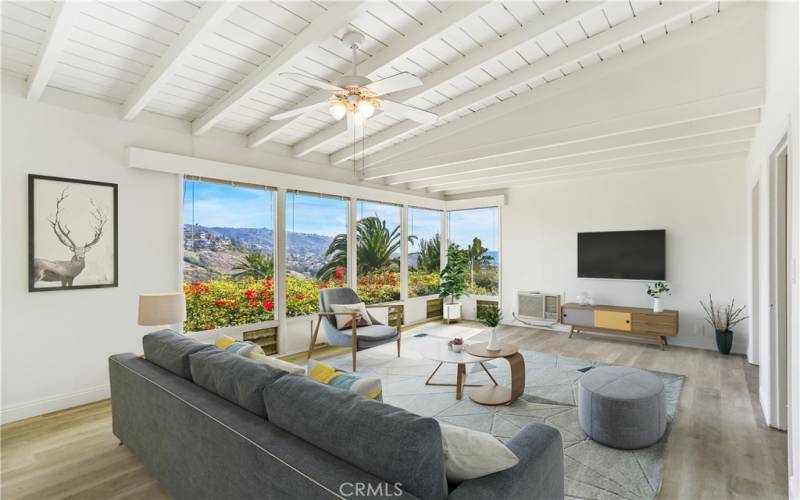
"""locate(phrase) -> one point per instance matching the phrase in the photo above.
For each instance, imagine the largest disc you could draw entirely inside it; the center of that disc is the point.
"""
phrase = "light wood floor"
(720, 447)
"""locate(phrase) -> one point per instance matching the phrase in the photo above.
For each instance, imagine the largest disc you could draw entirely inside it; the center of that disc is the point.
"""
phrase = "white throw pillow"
(277, 363)
(344, 321)
(470, 454)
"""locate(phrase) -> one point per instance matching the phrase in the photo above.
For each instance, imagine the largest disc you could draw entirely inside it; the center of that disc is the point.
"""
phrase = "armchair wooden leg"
(355, 344)
(399, 333)
(313, 339)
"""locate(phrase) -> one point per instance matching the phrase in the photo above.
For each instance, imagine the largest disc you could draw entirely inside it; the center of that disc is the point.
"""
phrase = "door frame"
(779, 237)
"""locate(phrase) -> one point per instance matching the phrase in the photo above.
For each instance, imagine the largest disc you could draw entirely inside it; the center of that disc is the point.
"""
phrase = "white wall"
(701, 208)
(55, 344)
(781, 115)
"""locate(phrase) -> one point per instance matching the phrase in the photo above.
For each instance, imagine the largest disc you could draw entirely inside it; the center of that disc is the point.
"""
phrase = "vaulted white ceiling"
(217, 64)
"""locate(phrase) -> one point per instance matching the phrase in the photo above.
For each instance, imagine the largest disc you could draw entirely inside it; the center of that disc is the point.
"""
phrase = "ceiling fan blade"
(395, 83)
(402, 111)
(299, 111)
(310, 80)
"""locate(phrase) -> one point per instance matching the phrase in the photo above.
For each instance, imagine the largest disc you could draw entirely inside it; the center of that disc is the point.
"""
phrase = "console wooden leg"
(462, 374)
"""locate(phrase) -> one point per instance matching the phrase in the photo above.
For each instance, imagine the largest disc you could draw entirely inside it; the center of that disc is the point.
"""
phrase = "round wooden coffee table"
(499, 394)
(438, 351)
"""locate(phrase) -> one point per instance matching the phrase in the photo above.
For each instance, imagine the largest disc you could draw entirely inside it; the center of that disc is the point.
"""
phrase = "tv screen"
(630, 255)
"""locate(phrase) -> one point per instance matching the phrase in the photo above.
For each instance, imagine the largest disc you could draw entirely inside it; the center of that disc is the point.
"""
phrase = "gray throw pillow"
(171, 350)
(234, 378)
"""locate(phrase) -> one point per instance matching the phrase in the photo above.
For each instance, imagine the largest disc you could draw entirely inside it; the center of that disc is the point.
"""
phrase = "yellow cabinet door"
(613, 320)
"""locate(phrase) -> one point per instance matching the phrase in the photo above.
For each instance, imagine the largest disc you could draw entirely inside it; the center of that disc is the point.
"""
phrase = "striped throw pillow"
(326, 374)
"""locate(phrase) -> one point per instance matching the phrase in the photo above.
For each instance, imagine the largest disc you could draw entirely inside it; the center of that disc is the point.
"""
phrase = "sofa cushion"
(391, 443)
(233, 377)
(171, 350)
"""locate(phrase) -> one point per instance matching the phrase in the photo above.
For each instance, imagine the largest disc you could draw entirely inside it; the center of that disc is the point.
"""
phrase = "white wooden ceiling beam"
(657, 16)
(492, 50)
(696, 162)
(61, 20)
(210, 15)
(731, 18)
(587, 165)
(370, 67)
(735, 121)
(319, 30)
(442, 156)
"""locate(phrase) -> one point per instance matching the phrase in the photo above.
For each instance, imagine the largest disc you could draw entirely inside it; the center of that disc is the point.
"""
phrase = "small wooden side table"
(499, 394)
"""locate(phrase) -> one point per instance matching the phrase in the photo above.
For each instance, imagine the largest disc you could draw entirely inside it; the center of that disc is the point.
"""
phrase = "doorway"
(755, 255)
(779, 288)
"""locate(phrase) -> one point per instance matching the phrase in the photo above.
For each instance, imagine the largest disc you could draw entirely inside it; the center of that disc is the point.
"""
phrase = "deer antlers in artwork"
(62, 231)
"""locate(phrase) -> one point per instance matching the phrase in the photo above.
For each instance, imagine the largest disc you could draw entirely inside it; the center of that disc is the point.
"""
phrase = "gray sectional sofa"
(210, 424)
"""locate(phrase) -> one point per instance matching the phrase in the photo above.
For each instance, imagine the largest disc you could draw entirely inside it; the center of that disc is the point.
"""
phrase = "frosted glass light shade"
(337, 110)
(366, 109)
(358, 118)
(160, 309)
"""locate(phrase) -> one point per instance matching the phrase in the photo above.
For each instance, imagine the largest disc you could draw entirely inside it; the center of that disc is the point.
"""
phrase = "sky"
(219, 205)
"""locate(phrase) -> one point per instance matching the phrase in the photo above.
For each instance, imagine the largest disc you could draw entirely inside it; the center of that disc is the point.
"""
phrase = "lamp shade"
(157, 309)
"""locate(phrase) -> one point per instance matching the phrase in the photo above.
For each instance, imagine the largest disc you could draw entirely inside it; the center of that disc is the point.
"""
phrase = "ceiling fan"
(357, 97)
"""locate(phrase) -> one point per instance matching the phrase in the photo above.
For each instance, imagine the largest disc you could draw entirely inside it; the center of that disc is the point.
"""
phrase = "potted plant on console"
(453, 283)
(723, 319)
(657, 290)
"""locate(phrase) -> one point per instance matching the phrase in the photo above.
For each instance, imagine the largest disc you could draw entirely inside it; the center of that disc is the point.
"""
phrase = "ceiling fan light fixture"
(337, 110)
(358, 118)
(365, 108)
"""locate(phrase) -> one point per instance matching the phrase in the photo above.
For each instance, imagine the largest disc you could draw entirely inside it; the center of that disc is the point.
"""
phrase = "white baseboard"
(19, 411)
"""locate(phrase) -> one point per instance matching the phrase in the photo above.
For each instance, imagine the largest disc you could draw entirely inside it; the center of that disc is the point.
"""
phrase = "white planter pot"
(494, 343)
(452, 311)
(657, 307)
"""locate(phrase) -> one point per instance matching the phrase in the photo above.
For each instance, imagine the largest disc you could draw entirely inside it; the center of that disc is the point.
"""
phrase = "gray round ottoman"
(622, 407)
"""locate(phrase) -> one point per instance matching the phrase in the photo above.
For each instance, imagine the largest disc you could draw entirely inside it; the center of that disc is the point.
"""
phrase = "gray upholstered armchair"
(358, 338)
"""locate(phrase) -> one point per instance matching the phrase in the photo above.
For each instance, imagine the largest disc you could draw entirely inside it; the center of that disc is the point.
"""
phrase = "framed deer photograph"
(72, 234)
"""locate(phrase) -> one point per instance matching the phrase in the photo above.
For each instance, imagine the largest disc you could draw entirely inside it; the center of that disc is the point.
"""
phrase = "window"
(228, 242)
(316, 249)
(378, 252)
(475, 233)
(423, 251)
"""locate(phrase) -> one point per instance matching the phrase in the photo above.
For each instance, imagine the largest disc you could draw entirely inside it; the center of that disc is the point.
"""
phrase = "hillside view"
(228, 252)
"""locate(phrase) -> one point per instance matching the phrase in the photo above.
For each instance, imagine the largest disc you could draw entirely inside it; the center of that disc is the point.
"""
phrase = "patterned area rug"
(592, 470)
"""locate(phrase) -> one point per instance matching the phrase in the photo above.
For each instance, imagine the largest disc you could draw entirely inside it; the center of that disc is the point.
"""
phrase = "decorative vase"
(724, 341)
(494, 344)
(657, 308)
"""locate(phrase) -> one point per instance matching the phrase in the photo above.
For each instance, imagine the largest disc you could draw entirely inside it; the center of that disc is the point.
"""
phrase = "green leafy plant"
(657, 289)
(490, 316)
(377, 248)
(723, 318)
(452, 279)
(255, 265)
(428, 256)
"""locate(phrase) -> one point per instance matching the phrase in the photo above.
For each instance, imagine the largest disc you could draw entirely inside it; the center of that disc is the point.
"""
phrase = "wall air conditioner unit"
(538, 306)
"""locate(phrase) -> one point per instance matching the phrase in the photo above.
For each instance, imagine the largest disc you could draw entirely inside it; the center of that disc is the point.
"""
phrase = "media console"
(636, 321)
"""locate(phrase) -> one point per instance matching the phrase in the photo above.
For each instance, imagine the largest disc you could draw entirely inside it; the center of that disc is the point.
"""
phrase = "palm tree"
(476, 256)
(253, 264)
(375, 249)
(429, 255)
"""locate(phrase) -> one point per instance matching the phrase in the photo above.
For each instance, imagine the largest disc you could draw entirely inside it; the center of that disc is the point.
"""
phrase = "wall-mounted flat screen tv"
(628, 255)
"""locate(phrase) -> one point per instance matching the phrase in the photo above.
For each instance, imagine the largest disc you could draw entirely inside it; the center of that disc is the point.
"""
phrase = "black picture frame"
(33, 271)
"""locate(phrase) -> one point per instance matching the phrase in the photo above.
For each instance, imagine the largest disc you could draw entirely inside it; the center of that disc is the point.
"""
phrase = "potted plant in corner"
(723, 319)
(491, 316)
(453, 283)
(656, 290)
